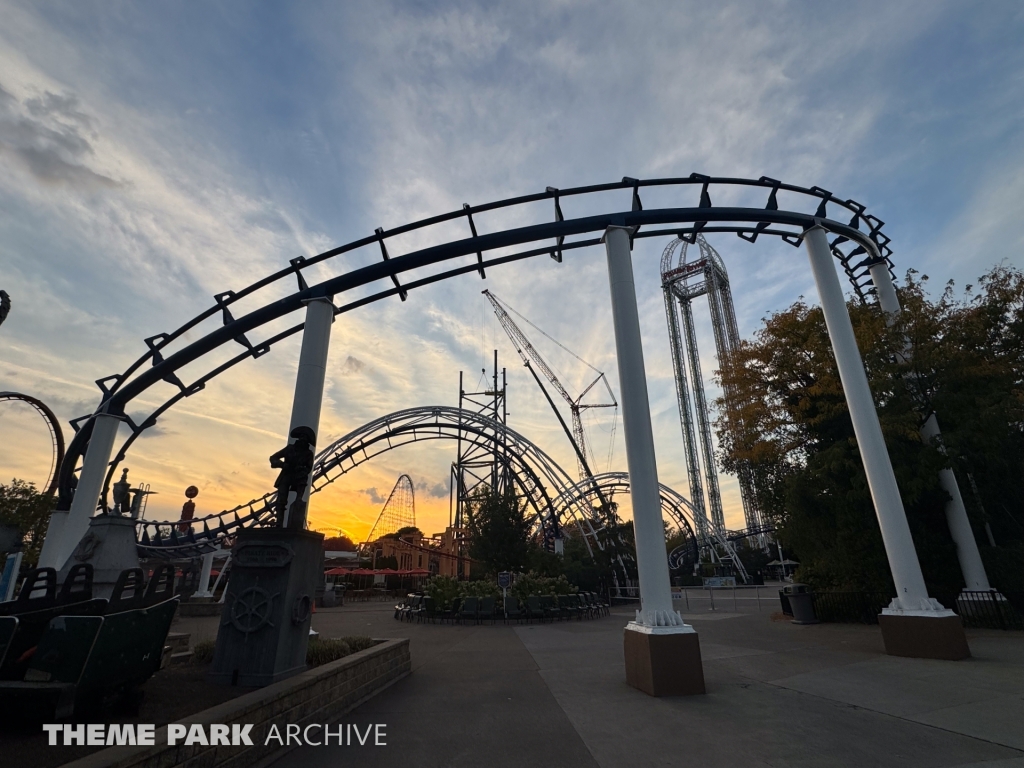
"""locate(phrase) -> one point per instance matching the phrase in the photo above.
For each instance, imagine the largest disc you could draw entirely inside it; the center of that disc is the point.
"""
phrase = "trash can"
(801, 602)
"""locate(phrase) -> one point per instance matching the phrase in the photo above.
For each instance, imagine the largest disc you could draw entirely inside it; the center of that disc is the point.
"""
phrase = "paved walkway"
(778, 695)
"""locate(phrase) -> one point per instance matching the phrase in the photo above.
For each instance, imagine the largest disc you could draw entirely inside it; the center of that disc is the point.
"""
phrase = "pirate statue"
(120, 492)
(295, 461)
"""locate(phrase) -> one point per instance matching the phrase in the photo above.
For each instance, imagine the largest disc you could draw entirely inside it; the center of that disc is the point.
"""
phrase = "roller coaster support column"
(973, 569)
(67, 533)
(309, 383)
(914, 624)
(662, 653)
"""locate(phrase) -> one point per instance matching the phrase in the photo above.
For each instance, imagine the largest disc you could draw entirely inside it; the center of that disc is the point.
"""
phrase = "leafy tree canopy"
(786, 416)
(339, 544)
(24, 508)
(499, 531)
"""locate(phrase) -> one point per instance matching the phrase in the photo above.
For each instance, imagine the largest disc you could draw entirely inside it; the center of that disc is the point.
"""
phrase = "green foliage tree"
(788, 420)
(24, 508)
(499, 531)
(339, 544)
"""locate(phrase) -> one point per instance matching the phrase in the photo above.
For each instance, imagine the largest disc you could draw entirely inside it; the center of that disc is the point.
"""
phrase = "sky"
(155, 154)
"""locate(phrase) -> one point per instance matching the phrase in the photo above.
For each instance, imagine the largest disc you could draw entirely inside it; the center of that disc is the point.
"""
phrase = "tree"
(339, 544)
(24, 508)
(499, 531)
(788, 421)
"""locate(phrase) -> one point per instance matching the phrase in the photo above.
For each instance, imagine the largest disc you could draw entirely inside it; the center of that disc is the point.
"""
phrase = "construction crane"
(531, 357)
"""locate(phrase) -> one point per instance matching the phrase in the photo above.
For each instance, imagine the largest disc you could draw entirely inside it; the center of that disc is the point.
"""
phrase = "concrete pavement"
(778, 695)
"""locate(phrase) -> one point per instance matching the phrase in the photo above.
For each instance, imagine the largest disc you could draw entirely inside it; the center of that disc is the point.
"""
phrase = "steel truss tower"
(681, 283)
(480, 464)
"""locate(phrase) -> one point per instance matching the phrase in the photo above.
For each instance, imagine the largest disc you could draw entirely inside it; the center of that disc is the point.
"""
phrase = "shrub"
(531, 584)
(202, 653)
(442, 589)
(325, 650)
(320, 650)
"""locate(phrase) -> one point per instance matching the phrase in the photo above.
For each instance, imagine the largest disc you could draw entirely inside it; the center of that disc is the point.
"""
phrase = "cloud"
(437, 490)
(375, 497)
(352, 365)
(134, 191)
(46, 136)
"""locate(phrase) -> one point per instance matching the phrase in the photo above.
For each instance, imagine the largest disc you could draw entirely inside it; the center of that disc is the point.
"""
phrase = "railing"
(724, 598)
(988, 610)
(977, 610)
(850, 607)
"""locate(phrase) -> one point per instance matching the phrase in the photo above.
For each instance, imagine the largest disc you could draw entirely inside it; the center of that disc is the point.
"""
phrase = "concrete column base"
(663, 664)
(924, 637)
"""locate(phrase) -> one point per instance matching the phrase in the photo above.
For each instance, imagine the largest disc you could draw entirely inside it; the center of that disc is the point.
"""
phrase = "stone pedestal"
(109, 545)
(663, 664)
(924, 637)
(264, 628)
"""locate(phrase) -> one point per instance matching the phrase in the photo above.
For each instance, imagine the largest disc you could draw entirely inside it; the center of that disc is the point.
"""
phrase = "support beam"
(87, 494)
(892, 519)
(655, 590)
(913, 624)
(967, 553)
(309, 384)
(662, 654)
(204, 575)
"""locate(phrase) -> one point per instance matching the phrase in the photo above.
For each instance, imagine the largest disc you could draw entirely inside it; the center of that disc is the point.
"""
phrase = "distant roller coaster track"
(858, 243)
(56, 435)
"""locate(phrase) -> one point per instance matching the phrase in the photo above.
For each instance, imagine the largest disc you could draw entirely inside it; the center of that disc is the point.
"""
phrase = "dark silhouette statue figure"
(120, 492)
(295, 461)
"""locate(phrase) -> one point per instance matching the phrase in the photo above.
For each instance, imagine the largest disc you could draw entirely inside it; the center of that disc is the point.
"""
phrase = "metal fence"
(977, 610)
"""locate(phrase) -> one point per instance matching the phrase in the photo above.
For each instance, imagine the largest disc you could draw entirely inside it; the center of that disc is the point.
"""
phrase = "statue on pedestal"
(120, 493)
(295, 461)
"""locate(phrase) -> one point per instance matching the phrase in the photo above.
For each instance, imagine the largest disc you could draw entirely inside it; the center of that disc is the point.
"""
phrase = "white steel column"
(87, 493)
(309, 382)
(967, 553)
(911, 594)
(656, 611)
(204, 575)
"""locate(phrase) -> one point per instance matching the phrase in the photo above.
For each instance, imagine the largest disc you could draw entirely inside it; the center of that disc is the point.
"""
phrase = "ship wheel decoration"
(251, 610)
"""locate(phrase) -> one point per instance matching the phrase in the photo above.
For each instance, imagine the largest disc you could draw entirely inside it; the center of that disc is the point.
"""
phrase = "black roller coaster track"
(673, 504)
(56, 435)
(532, 470)
(858, 243)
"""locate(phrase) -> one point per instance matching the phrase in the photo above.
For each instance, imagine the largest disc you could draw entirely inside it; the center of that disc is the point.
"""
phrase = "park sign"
(504, 579)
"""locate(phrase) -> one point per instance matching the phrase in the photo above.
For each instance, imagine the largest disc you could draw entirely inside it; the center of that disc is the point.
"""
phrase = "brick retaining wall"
(319, 695)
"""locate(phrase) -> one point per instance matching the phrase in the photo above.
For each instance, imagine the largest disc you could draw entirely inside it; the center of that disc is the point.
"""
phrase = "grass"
(320, 651)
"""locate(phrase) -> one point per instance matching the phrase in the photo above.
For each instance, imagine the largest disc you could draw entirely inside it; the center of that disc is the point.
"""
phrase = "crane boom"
(533, 360)
(523, 346)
